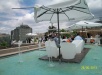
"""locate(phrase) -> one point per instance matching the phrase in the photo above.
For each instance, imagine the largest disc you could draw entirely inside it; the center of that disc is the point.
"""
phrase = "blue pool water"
(31, 65)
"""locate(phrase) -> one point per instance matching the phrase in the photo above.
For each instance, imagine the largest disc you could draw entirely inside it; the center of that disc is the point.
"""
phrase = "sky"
(12, 18)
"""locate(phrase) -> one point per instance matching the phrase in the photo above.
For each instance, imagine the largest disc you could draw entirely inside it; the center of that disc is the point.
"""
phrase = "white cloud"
(6, 12)
(27, 17)
(7, 5)
(4, 29)
(95, 4)
(95, 7)
(4, 4)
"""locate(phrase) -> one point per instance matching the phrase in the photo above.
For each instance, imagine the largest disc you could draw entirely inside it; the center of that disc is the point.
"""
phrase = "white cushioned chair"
(68, 50)
(51, 49)
(79, 45)
(97, 41)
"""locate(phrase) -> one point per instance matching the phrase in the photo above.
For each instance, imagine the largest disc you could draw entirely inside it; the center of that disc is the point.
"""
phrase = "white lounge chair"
(79, 45)
(97, 41)
(68, 50)
(51, 49)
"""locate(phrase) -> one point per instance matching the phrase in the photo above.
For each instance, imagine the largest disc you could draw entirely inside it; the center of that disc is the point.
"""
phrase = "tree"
(62, 30)
(4, 44)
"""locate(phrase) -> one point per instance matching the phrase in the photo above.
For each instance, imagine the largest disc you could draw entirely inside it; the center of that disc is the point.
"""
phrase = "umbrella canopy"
(84, 24)
(64, 11)
(68, 10)
(31, 34)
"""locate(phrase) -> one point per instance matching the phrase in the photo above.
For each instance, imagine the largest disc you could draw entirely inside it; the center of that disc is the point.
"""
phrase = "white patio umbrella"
(71, 10)
(84, 24)
(31, 34)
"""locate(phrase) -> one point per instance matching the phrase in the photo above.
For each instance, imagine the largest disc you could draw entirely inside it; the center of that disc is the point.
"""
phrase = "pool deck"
(31, 65)
(15, 50)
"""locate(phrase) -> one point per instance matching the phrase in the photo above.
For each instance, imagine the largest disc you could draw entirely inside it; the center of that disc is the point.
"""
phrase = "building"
(4, 35)
(19, 33)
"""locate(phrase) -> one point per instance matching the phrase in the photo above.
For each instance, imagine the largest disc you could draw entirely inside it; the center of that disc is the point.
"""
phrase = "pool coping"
(17, 51)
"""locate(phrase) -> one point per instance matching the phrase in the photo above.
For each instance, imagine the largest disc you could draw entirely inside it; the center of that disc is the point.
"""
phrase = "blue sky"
(11, 18)
(28, 2)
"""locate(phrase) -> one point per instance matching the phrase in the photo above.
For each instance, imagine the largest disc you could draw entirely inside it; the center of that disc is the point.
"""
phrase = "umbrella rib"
(72, 7)
(51, 16)
(64, 13)
(48, 9)
(80, 2)
(68, 9)
(50, 13)
(42, 13)
(54, 10)
(65, 10)
(78, 7)
(81, 11)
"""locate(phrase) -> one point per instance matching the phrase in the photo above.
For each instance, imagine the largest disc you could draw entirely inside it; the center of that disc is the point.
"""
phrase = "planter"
(1, 47)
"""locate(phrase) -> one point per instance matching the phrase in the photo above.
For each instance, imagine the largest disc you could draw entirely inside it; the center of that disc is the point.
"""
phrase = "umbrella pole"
(58, 34)
(82, 31)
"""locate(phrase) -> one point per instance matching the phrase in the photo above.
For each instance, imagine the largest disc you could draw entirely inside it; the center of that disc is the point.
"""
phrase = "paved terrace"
(15, 50)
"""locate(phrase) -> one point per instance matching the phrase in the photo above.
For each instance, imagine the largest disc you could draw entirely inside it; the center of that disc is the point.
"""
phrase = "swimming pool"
(31, 65)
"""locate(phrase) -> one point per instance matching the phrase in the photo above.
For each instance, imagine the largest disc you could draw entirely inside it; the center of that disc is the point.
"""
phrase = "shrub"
(4, 44)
